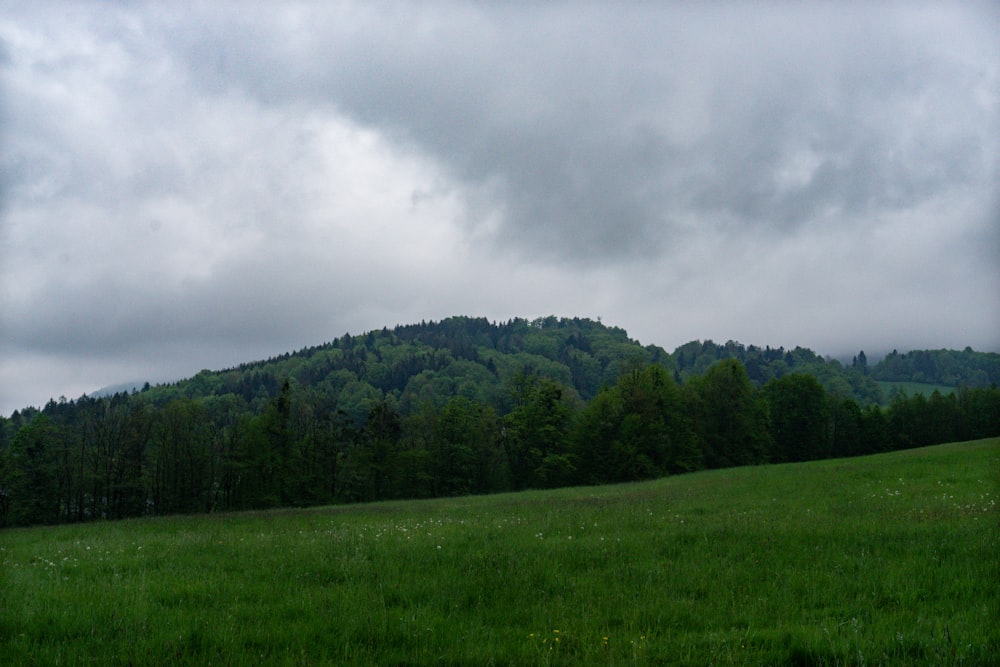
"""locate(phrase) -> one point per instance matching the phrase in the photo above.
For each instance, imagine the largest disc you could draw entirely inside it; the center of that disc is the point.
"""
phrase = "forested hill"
(455, 407)
(476, 358)
(947, 367)
(473, 357)
(432, 362)
(479, 359)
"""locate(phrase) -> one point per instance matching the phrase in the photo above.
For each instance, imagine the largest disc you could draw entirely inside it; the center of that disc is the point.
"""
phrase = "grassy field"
(889, 559)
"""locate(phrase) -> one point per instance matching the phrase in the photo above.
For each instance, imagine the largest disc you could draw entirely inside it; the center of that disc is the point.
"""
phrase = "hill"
(478, 359)
(457, 407)
(943, 367)
(893, 563)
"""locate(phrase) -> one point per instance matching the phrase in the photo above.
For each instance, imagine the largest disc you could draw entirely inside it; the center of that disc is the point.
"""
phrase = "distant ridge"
(476, 357)
(458, 407)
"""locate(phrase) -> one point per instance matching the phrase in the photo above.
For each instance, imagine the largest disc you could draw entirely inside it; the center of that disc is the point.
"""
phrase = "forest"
(467, 406)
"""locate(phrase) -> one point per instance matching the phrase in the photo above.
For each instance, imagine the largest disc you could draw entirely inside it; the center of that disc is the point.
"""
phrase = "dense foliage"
(947, 367)
(455, 407)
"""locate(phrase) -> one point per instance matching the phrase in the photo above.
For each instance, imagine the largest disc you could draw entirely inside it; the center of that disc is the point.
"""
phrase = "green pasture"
(889, 559)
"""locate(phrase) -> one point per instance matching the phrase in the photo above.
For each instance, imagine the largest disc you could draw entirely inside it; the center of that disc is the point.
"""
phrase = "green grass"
(888, 559)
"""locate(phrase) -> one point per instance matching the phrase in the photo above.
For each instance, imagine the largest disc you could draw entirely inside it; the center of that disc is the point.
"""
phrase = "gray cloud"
(200, 184)
(595, 128)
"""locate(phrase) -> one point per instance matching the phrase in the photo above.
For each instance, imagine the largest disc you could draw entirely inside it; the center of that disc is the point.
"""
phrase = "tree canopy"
(456, 407)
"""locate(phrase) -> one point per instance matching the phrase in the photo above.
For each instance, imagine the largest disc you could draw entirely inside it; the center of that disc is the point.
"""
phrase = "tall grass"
(888, 559)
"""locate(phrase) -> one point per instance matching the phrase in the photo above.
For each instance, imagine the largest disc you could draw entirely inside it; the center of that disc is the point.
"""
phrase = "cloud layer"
(195, 185)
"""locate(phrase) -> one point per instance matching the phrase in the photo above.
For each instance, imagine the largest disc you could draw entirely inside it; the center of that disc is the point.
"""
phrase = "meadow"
(885, 559)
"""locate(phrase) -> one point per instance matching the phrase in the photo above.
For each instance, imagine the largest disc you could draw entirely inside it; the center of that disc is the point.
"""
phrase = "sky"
(192, 185)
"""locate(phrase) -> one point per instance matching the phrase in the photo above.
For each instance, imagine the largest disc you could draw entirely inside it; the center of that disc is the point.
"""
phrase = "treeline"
(767, 363)
(476, 358)
(947, 367)
(147, 454)
(462, 406)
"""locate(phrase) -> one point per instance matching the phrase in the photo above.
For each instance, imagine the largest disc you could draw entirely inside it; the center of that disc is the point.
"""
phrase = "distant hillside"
(473, 357)
(435, 361)
(461, 406)
(478, 359)
(944, 367)
(765, 364)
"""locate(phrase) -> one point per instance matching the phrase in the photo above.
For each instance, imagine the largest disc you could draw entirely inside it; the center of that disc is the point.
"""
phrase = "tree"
(29, 482)
(268, 453)
(861, 362)
(980, 408)
(730, 420)
(536, 434)
(944, 417)
(229, 416)
(635, 430)
(111, 455)
(598, 454)
(463, 452)
(908, 421)
(799, 418)
(129, 495)
(367, 467)
(846, 427)
(875, 433)
(180, 459)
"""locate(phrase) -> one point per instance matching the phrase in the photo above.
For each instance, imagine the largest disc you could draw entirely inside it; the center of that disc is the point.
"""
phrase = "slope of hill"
(479, 359)
(943, 367)
(451, 408)
(472, 357)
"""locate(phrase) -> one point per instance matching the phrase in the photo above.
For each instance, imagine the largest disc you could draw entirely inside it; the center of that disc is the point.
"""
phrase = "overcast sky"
(191, 185)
